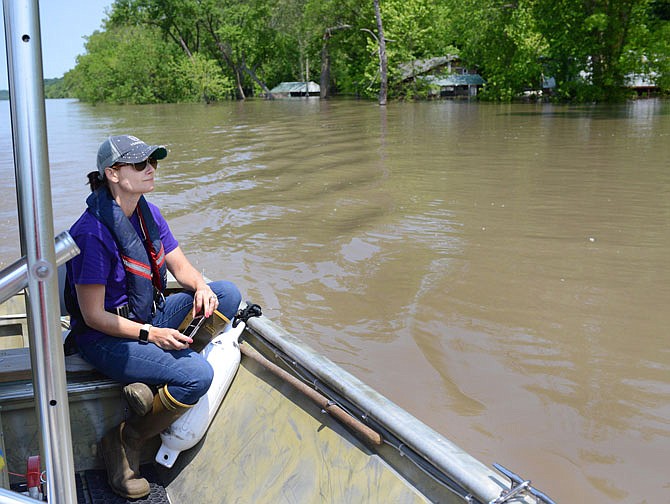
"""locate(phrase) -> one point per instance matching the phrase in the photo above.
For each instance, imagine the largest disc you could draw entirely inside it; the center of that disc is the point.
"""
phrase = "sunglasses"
(141, 165)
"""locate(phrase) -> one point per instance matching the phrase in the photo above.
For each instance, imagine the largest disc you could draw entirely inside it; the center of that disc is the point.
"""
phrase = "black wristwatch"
(144, 334)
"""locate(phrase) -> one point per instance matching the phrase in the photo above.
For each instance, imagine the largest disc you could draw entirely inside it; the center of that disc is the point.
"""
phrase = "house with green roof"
(443, 75)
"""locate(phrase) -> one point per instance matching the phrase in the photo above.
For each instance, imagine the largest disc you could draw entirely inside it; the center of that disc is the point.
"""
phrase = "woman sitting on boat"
(122, 323)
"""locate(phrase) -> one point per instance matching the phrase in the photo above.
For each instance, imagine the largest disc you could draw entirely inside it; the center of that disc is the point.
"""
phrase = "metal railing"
(14, 278)
(31, 163)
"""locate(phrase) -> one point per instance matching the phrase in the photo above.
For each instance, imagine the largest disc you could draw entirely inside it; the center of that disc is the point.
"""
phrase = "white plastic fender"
(223, 353)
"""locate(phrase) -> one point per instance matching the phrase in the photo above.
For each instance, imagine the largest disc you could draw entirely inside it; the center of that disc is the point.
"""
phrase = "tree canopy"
(206, 50)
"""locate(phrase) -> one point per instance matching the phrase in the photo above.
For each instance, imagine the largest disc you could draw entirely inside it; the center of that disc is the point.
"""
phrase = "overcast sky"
(64, 24)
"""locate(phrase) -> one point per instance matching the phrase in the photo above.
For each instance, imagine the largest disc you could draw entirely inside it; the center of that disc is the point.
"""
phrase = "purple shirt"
(100, 262)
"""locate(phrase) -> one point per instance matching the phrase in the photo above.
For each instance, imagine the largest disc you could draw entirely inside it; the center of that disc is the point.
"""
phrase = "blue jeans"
(185, 372)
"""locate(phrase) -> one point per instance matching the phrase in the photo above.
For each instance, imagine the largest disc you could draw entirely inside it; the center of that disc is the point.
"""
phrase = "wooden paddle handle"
(366, 433)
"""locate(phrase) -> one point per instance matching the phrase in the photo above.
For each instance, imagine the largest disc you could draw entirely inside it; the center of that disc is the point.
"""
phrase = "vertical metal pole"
(31, 162)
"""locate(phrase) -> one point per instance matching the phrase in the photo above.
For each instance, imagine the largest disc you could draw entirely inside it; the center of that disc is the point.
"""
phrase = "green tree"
(241, 35)
(415, 29)
(337, 46)
(198, 78)
(588, 44)
(290, 26)
(652, 54)
(500, 39)
(55, 88)
(123, 65)
(176, 50)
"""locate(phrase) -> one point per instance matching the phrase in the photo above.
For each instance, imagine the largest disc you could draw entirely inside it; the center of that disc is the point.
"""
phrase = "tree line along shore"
(157, 51)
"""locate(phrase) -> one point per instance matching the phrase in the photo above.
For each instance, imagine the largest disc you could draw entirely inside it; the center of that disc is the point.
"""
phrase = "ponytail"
(95, 181)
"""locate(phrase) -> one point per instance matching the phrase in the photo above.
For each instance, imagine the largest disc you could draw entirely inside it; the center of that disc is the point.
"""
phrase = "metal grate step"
(92, 488)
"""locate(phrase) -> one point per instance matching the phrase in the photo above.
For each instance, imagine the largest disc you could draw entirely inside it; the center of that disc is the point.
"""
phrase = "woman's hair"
(94, 180)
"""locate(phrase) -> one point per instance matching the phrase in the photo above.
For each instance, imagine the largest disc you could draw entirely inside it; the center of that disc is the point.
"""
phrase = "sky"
(63, 24)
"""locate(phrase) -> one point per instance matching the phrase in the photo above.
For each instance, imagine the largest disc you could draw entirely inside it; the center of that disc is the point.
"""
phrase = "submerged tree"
(383, 61)
(324, 81)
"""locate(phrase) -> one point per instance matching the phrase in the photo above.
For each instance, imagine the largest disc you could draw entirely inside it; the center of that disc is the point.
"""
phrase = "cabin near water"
(296, 90)
(444, 76)
(644, 84)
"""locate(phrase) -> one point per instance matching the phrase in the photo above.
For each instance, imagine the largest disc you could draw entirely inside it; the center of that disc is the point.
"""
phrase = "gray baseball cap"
(126, 149)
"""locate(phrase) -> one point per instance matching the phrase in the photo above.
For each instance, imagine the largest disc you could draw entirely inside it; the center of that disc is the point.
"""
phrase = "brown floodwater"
(500, 271)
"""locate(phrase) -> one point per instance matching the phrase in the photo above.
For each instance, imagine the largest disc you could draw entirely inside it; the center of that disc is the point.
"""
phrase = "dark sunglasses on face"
(141, 165)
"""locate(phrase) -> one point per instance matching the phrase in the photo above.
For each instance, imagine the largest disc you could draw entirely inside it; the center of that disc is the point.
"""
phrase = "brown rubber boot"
(140, 397)
(165, 410)
(122, 446)
(122, 463)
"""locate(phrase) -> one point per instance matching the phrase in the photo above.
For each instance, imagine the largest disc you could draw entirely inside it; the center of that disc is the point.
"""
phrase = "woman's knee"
(229, 297)
(200, 379)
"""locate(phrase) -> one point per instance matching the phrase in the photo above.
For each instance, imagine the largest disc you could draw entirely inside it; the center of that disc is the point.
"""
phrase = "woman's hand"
(168, 339)
(205, 301)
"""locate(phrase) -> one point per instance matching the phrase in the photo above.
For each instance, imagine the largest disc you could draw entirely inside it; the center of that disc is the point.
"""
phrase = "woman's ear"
(111, 174)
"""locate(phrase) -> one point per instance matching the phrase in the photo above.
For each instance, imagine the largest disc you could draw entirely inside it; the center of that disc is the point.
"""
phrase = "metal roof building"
(296, 89)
